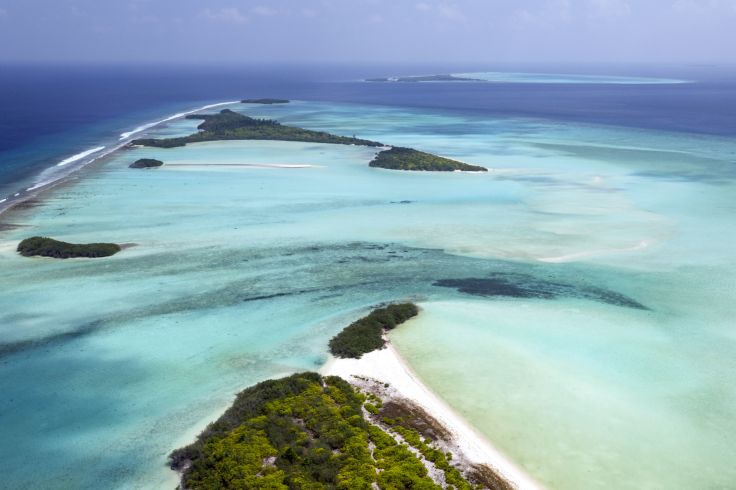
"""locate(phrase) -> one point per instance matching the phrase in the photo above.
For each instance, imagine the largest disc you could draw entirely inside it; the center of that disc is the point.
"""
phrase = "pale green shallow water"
(244, 273)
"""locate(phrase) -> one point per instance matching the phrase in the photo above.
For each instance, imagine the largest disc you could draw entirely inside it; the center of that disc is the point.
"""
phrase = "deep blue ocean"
(49, 113)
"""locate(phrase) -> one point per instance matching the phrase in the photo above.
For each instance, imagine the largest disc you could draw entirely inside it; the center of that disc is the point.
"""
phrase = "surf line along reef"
(231, 125)
(313, 431)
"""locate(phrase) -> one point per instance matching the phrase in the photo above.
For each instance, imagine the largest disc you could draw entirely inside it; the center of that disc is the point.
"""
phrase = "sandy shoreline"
(388, 366)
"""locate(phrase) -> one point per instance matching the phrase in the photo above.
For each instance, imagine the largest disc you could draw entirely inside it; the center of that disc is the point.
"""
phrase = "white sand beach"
(387, 366)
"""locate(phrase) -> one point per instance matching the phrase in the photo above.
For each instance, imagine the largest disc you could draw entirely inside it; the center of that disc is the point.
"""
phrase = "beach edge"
(389, 367)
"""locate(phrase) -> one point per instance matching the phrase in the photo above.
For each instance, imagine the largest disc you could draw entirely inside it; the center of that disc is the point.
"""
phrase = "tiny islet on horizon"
(149, 367)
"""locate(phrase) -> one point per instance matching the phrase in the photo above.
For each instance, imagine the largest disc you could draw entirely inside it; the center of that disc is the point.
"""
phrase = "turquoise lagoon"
(601, 355)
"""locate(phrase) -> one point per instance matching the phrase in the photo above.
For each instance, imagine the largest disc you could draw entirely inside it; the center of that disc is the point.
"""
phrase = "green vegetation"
(398, 158)
(146, 163)
(265, 101)
(420, 430)
(366, 335)
(308, 432)
(48, 247)
(303, 432)
(230, 125)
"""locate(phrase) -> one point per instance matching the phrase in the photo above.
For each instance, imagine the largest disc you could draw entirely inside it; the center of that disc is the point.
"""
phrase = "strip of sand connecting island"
(387, 366)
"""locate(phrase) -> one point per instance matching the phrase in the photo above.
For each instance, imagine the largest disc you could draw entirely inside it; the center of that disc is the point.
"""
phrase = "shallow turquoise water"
(241, 273)
(510, 77)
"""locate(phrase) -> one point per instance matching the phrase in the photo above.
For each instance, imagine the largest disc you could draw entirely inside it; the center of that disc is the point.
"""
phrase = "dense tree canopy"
(48, 247)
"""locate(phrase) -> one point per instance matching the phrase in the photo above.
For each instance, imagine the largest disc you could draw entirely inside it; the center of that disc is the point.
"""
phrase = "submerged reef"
(308, 431)
(146, 163)
(366, 335)
(265, 101)
(231, 125)
(525, 286)
(48, 247)
(399, 158)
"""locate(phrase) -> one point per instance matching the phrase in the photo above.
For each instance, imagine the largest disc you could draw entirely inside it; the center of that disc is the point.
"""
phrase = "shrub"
(48, 247)
(398, 158)
(366, 335)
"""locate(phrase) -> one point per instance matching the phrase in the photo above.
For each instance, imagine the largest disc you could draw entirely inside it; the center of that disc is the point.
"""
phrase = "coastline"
(96, 155)
(387, 366)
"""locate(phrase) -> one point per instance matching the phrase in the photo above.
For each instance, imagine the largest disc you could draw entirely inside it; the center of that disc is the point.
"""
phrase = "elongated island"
(231, 125)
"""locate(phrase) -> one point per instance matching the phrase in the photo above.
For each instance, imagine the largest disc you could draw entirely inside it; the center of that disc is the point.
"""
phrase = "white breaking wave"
(79, 156)
(143, 127)
(54, 174)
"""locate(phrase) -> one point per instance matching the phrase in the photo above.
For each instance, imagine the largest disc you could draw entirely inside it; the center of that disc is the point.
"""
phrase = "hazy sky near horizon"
(368, 30)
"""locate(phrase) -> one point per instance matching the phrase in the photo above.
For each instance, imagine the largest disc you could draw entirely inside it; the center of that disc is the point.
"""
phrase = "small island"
(265, 101)
(425, 78)
(231, 125)
(310, 431)
(366, 335)
(48, 247)
(146, 163)
(316, 431)
(398, 158)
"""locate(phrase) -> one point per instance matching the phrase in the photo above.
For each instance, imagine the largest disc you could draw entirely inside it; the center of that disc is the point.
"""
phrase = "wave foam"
(54, 174)
(79, 156)
(143, 127)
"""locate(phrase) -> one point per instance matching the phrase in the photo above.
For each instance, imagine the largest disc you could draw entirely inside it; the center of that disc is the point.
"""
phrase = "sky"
(257, 31)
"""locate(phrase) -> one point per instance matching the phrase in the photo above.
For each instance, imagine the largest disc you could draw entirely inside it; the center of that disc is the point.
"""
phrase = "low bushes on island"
(146, 163)
(304, 432)
(48, 247)
(231, 125)
(399, 158)
(366, 335)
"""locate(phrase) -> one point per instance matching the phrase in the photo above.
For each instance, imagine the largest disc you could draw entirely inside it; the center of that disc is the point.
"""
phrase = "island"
(316, 431)
(398, 158)
(146, 163)
(425, 78)
(265, 101)
(231, 125)
(48, 247)
(366, 334)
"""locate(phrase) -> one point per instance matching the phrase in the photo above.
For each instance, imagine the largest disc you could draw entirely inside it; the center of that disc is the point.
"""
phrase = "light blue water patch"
(511, 77)
(582, 395)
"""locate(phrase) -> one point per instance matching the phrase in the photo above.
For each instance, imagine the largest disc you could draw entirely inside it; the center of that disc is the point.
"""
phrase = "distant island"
(146, 163)
(48, 247)
(425, 78)
(265, 101)
(314, 431)
(231, 125)
(398, 158)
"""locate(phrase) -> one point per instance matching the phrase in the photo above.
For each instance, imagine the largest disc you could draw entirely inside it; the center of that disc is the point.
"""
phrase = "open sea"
(578, 300)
